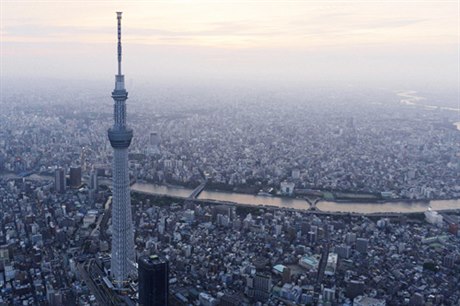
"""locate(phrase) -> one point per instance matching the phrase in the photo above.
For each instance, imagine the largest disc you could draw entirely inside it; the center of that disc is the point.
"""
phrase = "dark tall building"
(59, 180)
(262, 287)
(153, 281)
(361, 245)
(75, 177)
(93, 180)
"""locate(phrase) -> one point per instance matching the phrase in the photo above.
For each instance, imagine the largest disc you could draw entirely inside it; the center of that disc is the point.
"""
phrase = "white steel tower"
(120, 138)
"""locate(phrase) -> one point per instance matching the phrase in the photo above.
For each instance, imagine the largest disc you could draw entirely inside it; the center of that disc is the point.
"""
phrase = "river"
(354, 207)
(248, 199)
(410, 97)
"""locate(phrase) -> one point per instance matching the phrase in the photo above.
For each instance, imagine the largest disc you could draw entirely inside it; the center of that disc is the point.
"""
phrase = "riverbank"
(337, 196)
(330, 206)
(323, 195)
(334, 196)
(162, 200)
(296, 203)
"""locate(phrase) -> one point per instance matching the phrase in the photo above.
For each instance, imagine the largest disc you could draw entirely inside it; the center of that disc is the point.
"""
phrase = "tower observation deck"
(120, 138)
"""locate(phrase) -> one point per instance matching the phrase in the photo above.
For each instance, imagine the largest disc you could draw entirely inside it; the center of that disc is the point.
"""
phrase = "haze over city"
(269, 153)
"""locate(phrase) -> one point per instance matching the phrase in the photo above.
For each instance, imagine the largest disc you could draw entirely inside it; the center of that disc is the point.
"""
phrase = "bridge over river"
(297, 203)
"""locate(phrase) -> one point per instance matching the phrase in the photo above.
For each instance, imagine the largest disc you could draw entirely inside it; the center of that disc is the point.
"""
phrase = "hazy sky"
(401, 42)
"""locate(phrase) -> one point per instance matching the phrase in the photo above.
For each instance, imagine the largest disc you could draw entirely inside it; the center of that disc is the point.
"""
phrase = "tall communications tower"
(120, 138)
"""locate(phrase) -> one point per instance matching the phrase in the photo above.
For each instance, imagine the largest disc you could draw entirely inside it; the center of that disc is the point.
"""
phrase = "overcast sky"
(392, 42)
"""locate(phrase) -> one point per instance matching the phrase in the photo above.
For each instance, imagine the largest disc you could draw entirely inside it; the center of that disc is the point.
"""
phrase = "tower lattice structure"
(120, 136)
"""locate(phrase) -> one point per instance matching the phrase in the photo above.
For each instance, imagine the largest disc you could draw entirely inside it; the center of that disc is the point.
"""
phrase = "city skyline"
(284, 153)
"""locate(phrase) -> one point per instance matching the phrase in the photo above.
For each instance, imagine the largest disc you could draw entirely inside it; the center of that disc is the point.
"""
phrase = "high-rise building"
(75, 177)
(262, 286)
(154, 139)
(122, 262)
(328, 294)
(361, 245)
(93, 180)
(363, 300)
(354, 288)
(154, 143)
(350, 238)
(153, 281)
(59, 180)
(286, 275)
(343, 251)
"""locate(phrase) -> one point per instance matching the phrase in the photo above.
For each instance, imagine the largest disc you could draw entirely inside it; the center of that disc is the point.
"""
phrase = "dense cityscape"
(225, 254)
(100, 195)
(340, 140)
(57, 233)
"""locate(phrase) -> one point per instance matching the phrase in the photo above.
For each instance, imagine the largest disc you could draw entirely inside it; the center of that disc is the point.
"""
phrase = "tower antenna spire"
(119, 42)
(120, 135)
